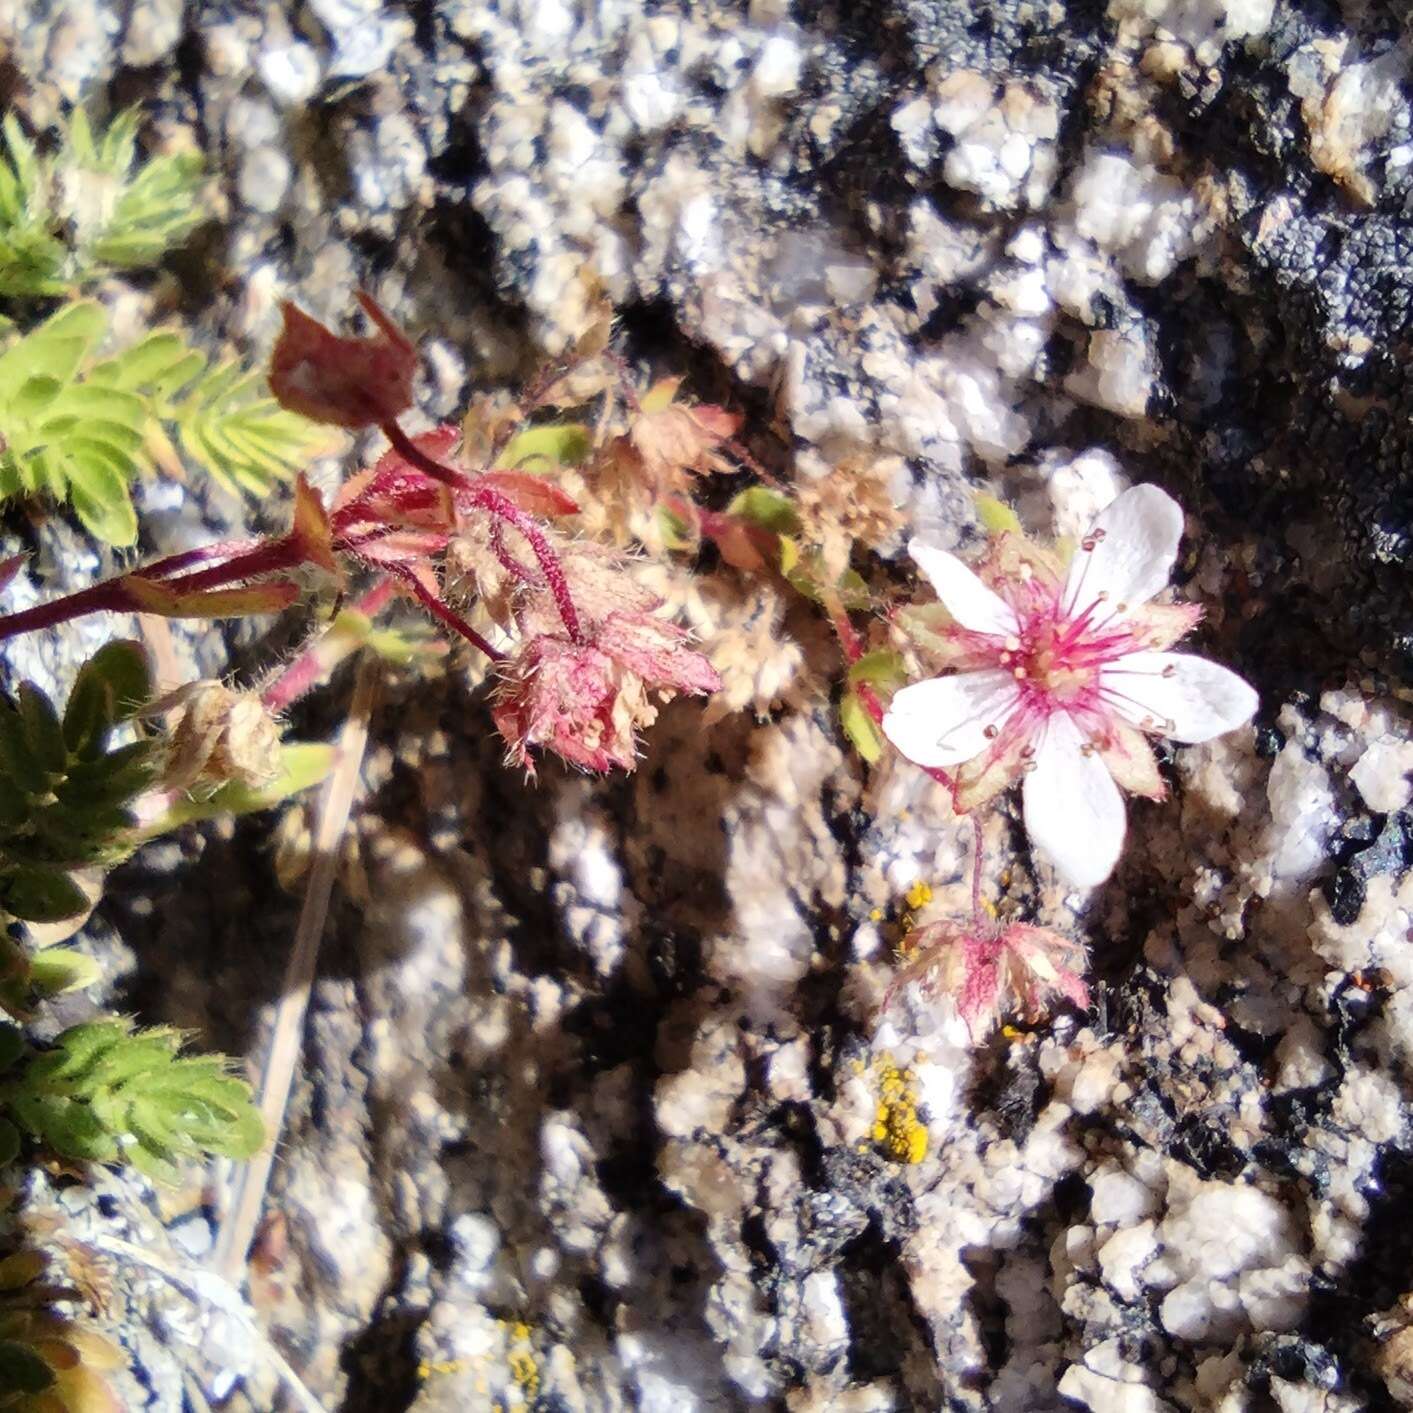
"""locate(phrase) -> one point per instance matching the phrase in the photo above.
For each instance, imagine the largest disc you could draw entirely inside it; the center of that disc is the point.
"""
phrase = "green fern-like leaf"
(32, 257)
(220, 416)
(127, 219)
(82, 430)
(67, 438)
(106, 1091)
(91, 208)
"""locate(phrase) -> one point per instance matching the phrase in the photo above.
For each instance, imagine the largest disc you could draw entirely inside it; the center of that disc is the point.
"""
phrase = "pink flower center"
(1057, 656)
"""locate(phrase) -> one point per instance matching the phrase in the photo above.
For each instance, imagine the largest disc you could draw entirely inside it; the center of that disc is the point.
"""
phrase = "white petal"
(943, 721)
(1073, 809)
(1178, 695)
(963, 595)
(1135, 541)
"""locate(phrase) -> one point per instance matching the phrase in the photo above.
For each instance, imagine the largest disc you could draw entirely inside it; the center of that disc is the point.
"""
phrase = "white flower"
(1057, 676)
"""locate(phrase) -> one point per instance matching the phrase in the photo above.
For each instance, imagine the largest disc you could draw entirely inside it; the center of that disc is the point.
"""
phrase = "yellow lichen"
(918, 896)
(428, 1367)
(897, 1129)
(524, 1368)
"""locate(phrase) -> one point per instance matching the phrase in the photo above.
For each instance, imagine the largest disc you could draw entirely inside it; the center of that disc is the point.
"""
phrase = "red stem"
(101, 598)
(440, 611)
(487, 498)
(303, 674)
(246, 560)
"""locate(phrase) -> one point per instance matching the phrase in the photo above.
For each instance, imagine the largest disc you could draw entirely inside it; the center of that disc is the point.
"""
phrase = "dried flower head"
(852, 504)
(348, 382)
(587, 701)
(1059, 675)
(217, 735)
(991, 971)
(668, 442)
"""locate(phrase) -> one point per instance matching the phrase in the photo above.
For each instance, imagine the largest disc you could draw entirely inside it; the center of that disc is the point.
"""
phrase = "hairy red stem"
(441, 611)
(101, 598)
(486, 498)
(303, 674)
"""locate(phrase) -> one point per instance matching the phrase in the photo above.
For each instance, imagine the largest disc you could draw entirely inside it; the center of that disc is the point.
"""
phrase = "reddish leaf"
(348, 382)
(311, 527)
(533, 494)
(168, 600)
(9, 568)
(401, 547)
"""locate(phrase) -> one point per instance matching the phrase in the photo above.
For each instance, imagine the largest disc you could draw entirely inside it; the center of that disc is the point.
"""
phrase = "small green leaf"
(860, 727)
(559, 444)
(996, 517)
(44, 736)
(69, 1128)
(766, 509)
(17, 761)
(121, 666)
(33, 893)
(56, 970)
(78, 1049)
(12, 1046)
(15, 805)
(880, 668)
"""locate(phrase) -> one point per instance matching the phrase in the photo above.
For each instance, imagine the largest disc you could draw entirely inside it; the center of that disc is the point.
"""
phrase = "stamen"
(1019, 673)
(1027, 752)
(991, 732)
(1170, 671)
(1013, 644)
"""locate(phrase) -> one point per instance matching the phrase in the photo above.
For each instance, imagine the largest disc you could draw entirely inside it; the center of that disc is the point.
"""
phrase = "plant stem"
(499, 505)
(246, 561)
(324, 653)
(444, 613)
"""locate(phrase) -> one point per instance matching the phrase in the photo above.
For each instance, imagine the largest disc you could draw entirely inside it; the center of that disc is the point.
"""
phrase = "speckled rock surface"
(594, 1070)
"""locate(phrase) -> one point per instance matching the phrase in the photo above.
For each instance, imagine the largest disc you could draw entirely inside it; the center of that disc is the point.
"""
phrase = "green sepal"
(881, 668)
(557, 443)
(767, 510)
(861, 729)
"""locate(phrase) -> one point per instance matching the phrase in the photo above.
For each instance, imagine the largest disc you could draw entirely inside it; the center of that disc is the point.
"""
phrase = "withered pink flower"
(1059, 675)
(587, 701)
(991, 971)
